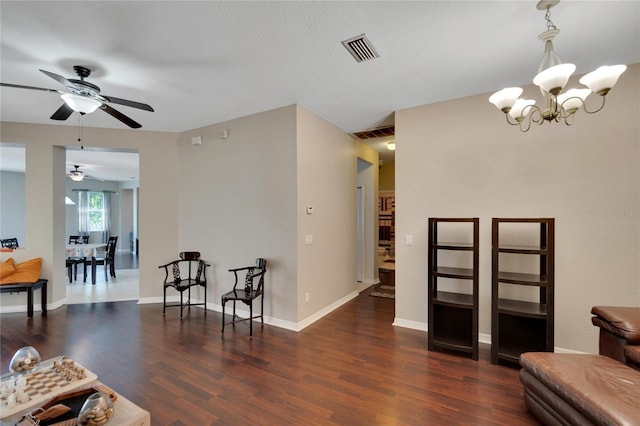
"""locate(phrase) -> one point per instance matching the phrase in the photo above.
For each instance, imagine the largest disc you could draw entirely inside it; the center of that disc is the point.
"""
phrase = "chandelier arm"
(513, 123)
(535, 115)
(568, 120)
(584, 106)
(532, 110)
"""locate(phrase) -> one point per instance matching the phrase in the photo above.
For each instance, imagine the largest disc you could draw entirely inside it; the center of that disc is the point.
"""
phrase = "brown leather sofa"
(580, 389)
(619, 333)
(588, 389)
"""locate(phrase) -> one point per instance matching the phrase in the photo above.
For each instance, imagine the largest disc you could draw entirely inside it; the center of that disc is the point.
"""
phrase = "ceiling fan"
(84, 97)
(78, 175)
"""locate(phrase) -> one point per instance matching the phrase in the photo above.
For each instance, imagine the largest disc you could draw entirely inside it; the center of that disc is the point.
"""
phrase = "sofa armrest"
(621, 321)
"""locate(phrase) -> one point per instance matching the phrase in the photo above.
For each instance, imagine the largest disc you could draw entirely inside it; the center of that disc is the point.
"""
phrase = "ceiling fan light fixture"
(81, 104)
(391, 146)
(76, 175)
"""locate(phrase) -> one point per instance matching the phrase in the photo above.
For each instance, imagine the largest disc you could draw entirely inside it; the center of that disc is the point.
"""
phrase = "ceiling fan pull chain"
(80, 136)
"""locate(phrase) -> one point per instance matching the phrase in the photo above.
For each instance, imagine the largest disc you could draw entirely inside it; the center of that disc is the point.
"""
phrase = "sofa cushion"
(25, 272)
(603, 390)
(7, 268)
(619, 320)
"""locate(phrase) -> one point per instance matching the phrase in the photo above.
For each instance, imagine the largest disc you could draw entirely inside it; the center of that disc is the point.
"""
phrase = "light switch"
(409, 240)
(308, 239)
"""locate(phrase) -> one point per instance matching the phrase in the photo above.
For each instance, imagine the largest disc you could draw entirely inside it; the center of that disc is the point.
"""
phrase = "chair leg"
(181, 305)
(69, 272)
(223, 301)
(251, 318)
(164, 301)
(106, 278)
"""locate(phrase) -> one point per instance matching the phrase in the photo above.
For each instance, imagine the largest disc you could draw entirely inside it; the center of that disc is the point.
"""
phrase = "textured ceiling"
(203, 62)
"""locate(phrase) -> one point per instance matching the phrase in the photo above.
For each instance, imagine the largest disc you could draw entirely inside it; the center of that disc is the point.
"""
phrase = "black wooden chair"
(73, 262)
(182, 274)
(107, 258)
(9, 243)
(247, 293)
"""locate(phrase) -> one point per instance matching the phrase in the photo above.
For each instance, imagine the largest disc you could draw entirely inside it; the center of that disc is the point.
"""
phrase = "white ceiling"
(96, 164)
(203, 62)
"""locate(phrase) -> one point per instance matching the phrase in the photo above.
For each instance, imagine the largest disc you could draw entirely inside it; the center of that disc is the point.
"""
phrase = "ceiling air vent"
(360, 48)
(378, 132)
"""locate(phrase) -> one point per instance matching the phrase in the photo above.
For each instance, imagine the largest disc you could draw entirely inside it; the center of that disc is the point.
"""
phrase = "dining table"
(86, 251)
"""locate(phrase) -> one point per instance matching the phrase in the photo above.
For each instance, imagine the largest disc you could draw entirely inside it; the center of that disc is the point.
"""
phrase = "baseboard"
(325, 311)
(16, 309)
(415, 325)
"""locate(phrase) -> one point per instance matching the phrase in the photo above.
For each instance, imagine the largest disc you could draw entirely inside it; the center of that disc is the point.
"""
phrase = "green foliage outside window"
(96, 211)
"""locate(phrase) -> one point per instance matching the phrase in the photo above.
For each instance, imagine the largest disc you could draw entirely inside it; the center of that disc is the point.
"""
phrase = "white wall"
(233, 200)
(460, 159)
(12, 205)
(238, 202)
(45, 208)
(326, 181)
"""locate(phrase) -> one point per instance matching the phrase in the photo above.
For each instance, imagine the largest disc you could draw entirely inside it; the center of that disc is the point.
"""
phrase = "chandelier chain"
(547, 17)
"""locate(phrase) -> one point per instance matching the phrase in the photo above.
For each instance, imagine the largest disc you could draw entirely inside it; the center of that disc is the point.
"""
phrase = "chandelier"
(552, 77)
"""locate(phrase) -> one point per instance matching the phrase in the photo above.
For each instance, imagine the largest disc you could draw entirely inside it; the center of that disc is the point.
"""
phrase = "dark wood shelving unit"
(453, 317)
(519, 326)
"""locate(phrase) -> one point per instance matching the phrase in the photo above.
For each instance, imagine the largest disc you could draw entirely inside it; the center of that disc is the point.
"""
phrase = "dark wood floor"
(350, 368)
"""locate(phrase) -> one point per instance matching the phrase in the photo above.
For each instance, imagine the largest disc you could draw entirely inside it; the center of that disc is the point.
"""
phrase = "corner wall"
(326, 177)
(237, 202)
(460, 159)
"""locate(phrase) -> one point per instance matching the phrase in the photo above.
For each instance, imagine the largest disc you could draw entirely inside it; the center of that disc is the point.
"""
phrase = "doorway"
(115, 173)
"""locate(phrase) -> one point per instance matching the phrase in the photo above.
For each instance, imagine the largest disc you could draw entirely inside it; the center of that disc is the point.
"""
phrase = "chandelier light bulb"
(573, 99)
(603, 79)
(505, 99)
(552, 80)
(521, 108)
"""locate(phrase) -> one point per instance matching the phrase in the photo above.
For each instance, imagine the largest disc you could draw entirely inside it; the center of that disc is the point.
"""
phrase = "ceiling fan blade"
(60, 79)
(120, 116)
(20, 86)
(62, 113)
(128, 103)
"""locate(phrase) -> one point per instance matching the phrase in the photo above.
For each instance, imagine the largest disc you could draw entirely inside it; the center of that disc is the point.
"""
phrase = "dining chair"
(107, 258)
(9, 243)
(73, 262)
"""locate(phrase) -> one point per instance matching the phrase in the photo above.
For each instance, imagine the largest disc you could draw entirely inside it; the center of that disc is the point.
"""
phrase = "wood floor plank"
(350, 368)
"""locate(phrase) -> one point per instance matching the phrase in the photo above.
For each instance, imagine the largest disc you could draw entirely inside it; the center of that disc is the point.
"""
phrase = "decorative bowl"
(24, 360)
(96, 410)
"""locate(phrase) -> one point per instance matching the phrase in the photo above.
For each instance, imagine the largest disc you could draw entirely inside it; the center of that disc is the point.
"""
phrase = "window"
(96, 211)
